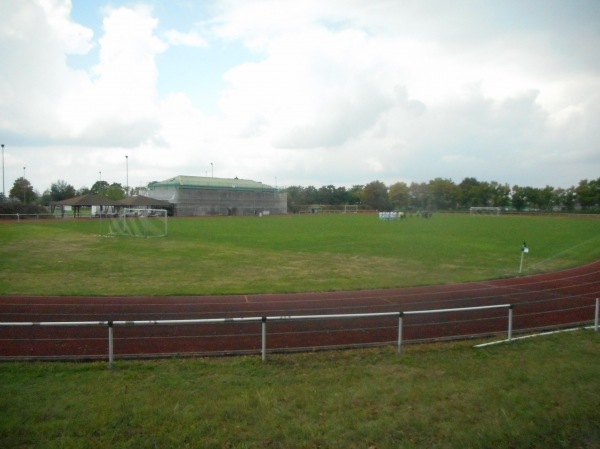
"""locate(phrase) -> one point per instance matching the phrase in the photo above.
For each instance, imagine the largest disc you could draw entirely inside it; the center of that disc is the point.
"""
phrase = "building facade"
(194, 196)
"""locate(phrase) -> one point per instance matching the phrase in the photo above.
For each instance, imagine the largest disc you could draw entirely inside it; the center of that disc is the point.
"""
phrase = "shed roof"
(141, 200)
(211, 183)
(88, 200)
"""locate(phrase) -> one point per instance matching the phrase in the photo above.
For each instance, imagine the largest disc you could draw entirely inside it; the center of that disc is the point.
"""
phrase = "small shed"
(104, 205)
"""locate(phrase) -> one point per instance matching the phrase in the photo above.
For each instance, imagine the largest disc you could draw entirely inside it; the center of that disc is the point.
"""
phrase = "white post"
(522, 256)
(597, 314)
(510, 322)
(264, 339)
(400, 332)
(111, 355)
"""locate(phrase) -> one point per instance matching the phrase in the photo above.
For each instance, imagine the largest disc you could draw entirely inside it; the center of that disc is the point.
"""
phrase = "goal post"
(484, 210)
(139, 223)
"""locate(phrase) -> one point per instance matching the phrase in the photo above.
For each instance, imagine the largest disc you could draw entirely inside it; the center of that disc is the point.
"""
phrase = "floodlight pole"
(127, 175)
(24, 190)
(3, 192)
(212, 172)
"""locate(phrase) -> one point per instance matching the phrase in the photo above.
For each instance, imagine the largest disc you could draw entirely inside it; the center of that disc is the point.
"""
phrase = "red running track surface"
(560, 299)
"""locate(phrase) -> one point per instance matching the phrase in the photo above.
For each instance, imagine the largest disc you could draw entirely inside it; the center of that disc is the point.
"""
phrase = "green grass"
(285, 254)
(535, 393)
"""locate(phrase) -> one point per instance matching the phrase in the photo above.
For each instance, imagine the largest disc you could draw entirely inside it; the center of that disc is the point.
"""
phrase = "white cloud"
(34, 40)
(337, 92)
(117, 103)
(76, 38)
(190, 39)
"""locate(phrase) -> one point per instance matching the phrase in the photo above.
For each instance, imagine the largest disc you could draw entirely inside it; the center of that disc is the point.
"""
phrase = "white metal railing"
(19, 217)
(265, 319)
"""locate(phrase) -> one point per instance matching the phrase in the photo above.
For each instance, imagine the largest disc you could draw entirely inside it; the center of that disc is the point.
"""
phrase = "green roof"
(204, 182)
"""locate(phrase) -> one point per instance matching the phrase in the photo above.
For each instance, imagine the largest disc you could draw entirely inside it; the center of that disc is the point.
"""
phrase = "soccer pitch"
(247, 255)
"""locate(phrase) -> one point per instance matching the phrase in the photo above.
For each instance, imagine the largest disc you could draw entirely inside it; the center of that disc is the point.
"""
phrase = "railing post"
(510, 321)
(264, 339)
(597, 317)
(400, 316)
(111, 355)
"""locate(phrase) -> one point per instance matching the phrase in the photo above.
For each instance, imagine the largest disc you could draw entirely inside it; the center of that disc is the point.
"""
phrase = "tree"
(115, 192)
(519, 198)
(565, 198)
(326, 195)
(588, 194)
(547, 198)
(295, 198)
(499, 194)
(22, 190)
(355, 194)
(400, 195)
(444, 193)
(99, 188)
(311, 195)
(471, 193)
(60, 190)
(375, 196)
(419, 195)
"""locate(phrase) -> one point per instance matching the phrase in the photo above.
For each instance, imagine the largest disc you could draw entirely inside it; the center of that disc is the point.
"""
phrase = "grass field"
(536, 393)
(285, 253)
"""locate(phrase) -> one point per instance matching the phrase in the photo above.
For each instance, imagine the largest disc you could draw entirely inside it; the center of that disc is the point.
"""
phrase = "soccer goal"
(484, 210)
(139, 223)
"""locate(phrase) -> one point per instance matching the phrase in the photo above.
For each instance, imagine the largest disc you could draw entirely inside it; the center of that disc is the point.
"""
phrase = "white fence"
(264, 320)
(19, 217)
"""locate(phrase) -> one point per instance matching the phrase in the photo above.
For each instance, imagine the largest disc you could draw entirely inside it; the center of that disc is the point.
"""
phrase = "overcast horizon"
(308, 93)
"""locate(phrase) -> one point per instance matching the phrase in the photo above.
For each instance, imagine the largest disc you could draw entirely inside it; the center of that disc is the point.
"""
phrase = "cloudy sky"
(300, 92)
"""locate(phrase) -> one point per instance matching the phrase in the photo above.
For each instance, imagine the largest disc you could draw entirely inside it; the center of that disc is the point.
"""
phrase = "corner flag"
(524, 249)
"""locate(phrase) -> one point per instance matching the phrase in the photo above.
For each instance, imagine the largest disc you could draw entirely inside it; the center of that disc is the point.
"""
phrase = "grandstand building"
(203, 196)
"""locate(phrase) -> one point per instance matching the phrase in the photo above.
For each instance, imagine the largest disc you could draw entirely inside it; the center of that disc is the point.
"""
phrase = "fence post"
(264, 339)
(510, 321)
(111, 355)
(400, 316)
(597, 314)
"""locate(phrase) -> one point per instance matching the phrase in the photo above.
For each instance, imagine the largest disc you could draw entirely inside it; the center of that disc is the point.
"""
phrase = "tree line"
(437, 194)
(444, 194)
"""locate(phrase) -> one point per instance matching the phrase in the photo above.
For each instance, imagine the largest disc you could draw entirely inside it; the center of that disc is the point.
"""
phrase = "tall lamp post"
(3, 193)
(127, 174)
(24, 189)
(212, 172)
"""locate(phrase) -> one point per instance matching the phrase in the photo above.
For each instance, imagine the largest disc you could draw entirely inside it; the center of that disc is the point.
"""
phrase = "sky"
(300, 92)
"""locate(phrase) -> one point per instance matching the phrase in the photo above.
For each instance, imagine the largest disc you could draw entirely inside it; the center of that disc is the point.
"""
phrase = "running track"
(560, 299)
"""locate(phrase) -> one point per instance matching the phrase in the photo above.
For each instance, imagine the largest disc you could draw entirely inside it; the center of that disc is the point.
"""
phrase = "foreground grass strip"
(536, 393)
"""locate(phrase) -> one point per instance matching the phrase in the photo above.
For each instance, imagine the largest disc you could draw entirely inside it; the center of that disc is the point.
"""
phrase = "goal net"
(484, 210)
(139, 223)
